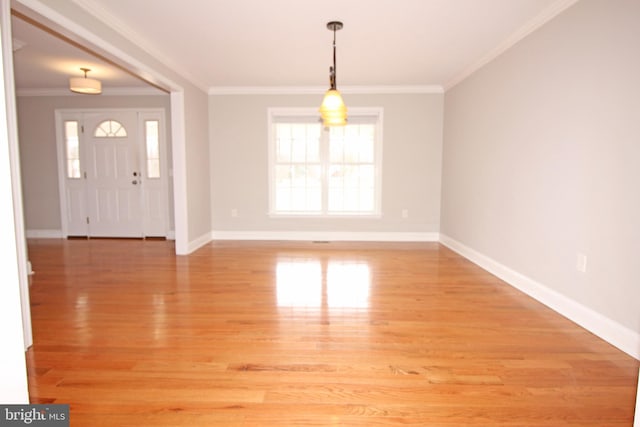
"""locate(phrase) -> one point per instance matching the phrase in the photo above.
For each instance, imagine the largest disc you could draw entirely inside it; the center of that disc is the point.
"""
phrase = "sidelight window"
(72, 149)
(152, 145)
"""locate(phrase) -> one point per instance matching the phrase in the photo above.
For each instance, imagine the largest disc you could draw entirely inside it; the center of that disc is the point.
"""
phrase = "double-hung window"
(316, 171)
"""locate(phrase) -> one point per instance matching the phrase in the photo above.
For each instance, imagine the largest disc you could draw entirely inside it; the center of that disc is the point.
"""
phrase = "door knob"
(134, 182)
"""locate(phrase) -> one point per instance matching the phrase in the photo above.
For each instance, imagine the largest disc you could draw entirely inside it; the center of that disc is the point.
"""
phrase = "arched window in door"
(110, 129)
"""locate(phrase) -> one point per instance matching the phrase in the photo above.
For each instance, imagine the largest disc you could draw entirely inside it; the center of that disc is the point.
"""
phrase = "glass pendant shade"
(332, 110)
(85, 85)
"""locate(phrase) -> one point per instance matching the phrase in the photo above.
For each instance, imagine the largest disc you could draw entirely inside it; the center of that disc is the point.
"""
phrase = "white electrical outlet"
(581, 263)
(234, 213)
(405, 213)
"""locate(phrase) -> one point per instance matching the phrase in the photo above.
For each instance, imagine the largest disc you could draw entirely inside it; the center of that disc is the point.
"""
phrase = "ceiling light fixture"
(333, 111)
(85, 85)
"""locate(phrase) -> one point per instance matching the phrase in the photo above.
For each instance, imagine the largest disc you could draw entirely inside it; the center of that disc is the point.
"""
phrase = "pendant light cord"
(333, 71)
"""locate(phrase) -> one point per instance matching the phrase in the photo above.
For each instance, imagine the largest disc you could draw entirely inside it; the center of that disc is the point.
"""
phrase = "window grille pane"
(367, 148)
(336, 200)
(72, 144)
(313, 149)
(298, 180)
(152, 140)
(336, 176)
(336, 150)
(283, 176)
(351, 199)
(366, 200)
(298, 175)
(352, 170)
(297, 142)
(283, 199)
(367, 176)
(351, 150)
(314, 199)
(299, 150)
(283, 130)
(299, 131)
(298, 188)
(110, 129)
(284, 150)
(352, 176)
(298, 199)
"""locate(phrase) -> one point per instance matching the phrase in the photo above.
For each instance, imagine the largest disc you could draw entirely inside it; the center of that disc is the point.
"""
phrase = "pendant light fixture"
(85, 85)
(333, 111)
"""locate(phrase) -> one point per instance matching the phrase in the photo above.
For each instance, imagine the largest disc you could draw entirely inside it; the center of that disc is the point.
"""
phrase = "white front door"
(113, 173)
(113, 179)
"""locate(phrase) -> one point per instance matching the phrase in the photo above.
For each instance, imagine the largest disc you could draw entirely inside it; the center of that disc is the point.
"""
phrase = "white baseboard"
(196, 244)
(332, 236)
(614, 333)
(44, 234)
(57, 234)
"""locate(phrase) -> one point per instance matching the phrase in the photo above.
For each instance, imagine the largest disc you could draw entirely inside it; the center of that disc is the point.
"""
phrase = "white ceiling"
(43, 61)
(218, 44)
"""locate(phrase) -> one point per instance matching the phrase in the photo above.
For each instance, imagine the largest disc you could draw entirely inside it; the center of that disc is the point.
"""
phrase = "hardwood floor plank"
(301, 334)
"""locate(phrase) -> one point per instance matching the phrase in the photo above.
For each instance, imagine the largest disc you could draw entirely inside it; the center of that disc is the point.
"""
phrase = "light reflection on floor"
(82, 321)
(159, 318)
(308, 283)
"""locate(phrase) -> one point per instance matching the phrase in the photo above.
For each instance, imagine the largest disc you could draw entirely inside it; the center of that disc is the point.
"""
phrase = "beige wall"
(38, 155)
(412, 132)
(542, 158)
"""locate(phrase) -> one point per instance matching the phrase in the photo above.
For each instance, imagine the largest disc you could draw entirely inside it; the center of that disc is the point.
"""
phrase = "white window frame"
(274, 114)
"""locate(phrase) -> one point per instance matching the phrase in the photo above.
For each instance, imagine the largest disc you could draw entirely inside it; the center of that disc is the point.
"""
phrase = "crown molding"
(101, 14)
(116, 91)
(319, 90)
(542, 18)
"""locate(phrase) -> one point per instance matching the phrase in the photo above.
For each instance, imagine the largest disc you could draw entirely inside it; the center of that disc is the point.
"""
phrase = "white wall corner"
(614, 333)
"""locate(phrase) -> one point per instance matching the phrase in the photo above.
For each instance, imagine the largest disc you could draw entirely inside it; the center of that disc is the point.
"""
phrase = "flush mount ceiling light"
(333, 111)
(85, 85)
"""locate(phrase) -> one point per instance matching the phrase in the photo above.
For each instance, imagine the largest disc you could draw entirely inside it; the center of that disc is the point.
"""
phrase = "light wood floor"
(307, 334)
